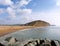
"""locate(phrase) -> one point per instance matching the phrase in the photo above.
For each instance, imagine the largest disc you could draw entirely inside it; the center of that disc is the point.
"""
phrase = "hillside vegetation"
(37, 23)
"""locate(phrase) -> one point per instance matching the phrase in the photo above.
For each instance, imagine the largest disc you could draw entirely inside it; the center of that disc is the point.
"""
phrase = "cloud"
(11, 12)
(1, 11)
(6, 2)
(24, 2)
(26, 11)
(57, 2)
(14, 9)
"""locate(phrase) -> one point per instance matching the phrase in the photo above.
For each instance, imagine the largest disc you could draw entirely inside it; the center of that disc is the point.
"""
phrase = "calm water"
(45, 32)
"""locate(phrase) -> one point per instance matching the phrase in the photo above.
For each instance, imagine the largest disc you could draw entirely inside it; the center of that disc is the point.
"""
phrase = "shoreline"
(10, 29)
(4, 30)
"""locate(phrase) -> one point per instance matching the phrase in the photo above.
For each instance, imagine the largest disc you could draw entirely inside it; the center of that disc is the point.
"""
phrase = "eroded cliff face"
(37, 23)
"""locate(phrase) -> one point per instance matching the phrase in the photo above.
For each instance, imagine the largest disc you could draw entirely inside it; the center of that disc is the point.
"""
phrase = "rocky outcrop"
(45, 42)
(11, 41)
(33, 42)
(1, 44)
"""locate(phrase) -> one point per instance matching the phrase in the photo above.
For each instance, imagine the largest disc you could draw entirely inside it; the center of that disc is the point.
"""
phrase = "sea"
(49, 32)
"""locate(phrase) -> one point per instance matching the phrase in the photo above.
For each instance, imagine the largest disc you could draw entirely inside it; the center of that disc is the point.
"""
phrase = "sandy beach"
(9, 29)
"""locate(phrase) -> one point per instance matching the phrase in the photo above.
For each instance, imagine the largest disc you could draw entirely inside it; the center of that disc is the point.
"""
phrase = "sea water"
(51, 32)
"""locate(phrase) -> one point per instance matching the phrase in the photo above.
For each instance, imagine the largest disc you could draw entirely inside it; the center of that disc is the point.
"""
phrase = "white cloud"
(9, 2)
(11, 12)
(6, 2)
(28, 18)
(1, 11)
(57, 2)
(15, 9)
(26, 11)
(20, 3)
(24, 2)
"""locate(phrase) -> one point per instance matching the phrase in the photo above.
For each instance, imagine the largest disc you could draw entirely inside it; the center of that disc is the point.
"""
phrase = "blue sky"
(39, 5)
(23, 11)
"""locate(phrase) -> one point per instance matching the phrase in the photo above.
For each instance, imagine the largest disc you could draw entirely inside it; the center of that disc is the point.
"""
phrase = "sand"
(9, 29)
